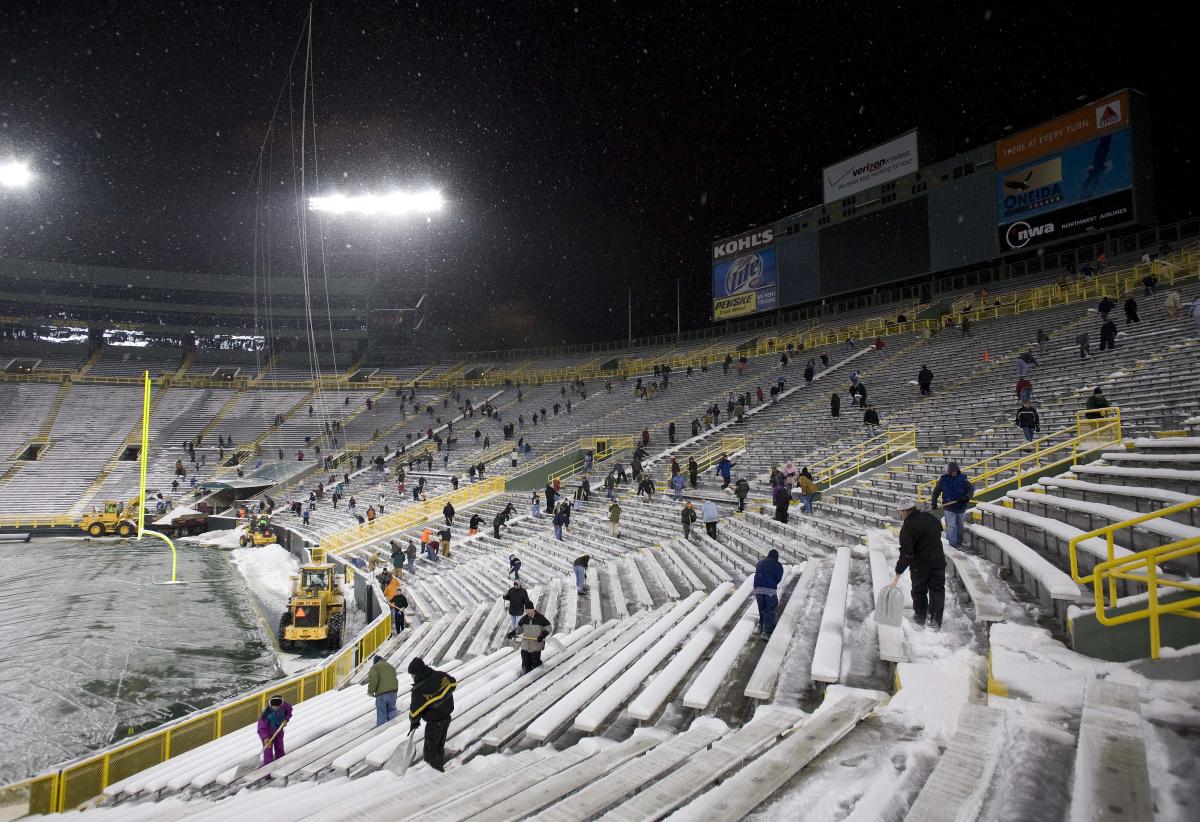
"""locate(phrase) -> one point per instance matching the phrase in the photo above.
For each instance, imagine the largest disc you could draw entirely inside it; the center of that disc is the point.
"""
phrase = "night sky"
(585, 148)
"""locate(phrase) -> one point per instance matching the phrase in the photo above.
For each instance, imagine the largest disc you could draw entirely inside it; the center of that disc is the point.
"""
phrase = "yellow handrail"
(614, 446)
(342, 541)
(858, 458)
(1142, 567)
(1059, 448)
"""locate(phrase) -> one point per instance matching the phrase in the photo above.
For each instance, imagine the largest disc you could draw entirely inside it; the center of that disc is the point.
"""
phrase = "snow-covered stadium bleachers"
(657, 698)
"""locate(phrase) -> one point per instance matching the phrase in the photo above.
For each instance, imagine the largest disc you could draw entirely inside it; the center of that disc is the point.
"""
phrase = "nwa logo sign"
(1099, 214)
(1020, 233)
(746, 242)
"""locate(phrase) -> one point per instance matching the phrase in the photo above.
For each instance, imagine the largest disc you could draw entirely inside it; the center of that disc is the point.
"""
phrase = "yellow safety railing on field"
(37, 520)
(353, 537)
(1142, 567)
(79, 782)
(1017, 467)
(868, 454)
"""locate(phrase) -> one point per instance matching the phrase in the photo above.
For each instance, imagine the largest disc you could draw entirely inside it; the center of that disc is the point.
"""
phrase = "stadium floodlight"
(15, 174)
(395, 204)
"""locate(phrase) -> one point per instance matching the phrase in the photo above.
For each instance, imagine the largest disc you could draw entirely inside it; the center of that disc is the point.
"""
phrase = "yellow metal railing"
(412, 515)
(710, 454)
(37, 520)
(79, 782)
(867, 454)
(1017, 466)
(1143, 567)
(613, 446)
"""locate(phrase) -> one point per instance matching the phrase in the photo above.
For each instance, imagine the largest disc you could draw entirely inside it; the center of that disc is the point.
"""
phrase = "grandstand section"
(656, 698)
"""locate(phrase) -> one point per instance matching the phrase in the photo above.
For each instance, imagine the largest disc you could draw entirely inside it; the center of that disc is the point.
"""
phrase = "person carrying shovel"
(271, 723)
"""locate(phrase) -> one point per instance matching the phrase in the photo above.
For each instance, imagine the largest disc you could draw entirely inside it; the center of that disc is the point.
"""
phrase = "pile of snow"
(268, 571)
(217, 539)
(181, 511)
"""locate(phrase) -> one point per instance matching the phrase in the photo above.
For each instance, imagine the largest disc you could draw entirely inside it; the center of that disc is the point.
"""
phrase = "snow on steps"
(987, 607)
(437, 791)
(889, 637)
(956, 788)
(767, 773)
(1111, 743)
(1171, 478)
(585, 691)
(470, 805)
(566, 782)
(472, 723)
(580, 668)
(766, 672)
(612, 697)
(660, 573)
(626, 780)
(660, 687)
(707, 767)
(714, 674)
(827, 656)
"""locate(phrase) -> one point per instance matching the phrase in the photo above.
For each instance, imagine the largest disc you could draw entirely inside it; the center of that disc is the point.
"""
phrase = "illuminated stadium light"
(396, 203)
(15, 174)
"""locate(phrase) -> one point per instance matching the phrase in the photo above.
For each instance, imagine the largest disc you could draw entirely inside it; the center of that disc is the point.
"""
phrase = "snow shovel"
(252, 764)
(401, 758)
(889, 605)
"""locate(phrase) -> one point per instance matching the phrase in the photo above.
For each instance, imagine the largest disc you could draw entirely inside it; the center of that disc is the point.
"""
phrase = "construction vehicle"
(316, 610)
(259, 532)
(116, 518)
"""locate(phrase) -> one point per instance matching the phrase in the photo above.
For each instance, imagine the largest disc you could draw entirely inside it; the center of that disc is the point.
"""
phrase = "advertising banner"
(745, 275)
(1098, 214)
(1080, 126)
(871, 168)
(1078, 174)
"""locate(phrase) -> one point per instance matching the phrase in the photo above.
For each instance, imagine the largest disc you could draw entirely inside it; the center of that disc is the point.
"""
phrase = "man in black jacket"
(921, 553)
(433, 701)
(925, 380)
(534, 628)
(516, 597)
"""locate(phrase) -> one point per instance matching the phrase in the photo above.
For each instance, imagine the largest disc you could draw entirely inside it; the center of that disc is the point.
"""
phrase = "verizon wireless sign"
(871, 168)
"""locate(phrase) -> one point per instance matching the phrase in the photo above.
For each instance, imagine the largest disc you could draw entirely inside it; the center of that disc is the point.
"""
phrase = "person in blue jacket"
(955, 491)
(725, 470)
(767, 576)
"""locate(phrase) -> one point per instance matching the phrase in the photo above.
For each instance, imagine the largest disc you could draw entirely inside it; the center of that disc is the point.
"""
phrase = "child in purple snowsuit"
(271, 723)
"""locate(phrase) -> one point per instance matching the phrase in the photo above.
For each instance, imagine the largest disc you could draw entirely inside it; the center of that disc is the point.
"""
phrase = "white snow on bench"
(956, 788)
(708, 766)
(827, 656)
(1119, 457)
(766, 673)
(1112, 741)
(889, 637)
(1056, 583)
(665, 681)
(714, 674)
(1161, 526)
(1148, 474)
(763, 777)
(1141, 492)
(987, 607)
(591, 717)
(563, 711)
(627, 779)
(1168, 442)
(1094, 546)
